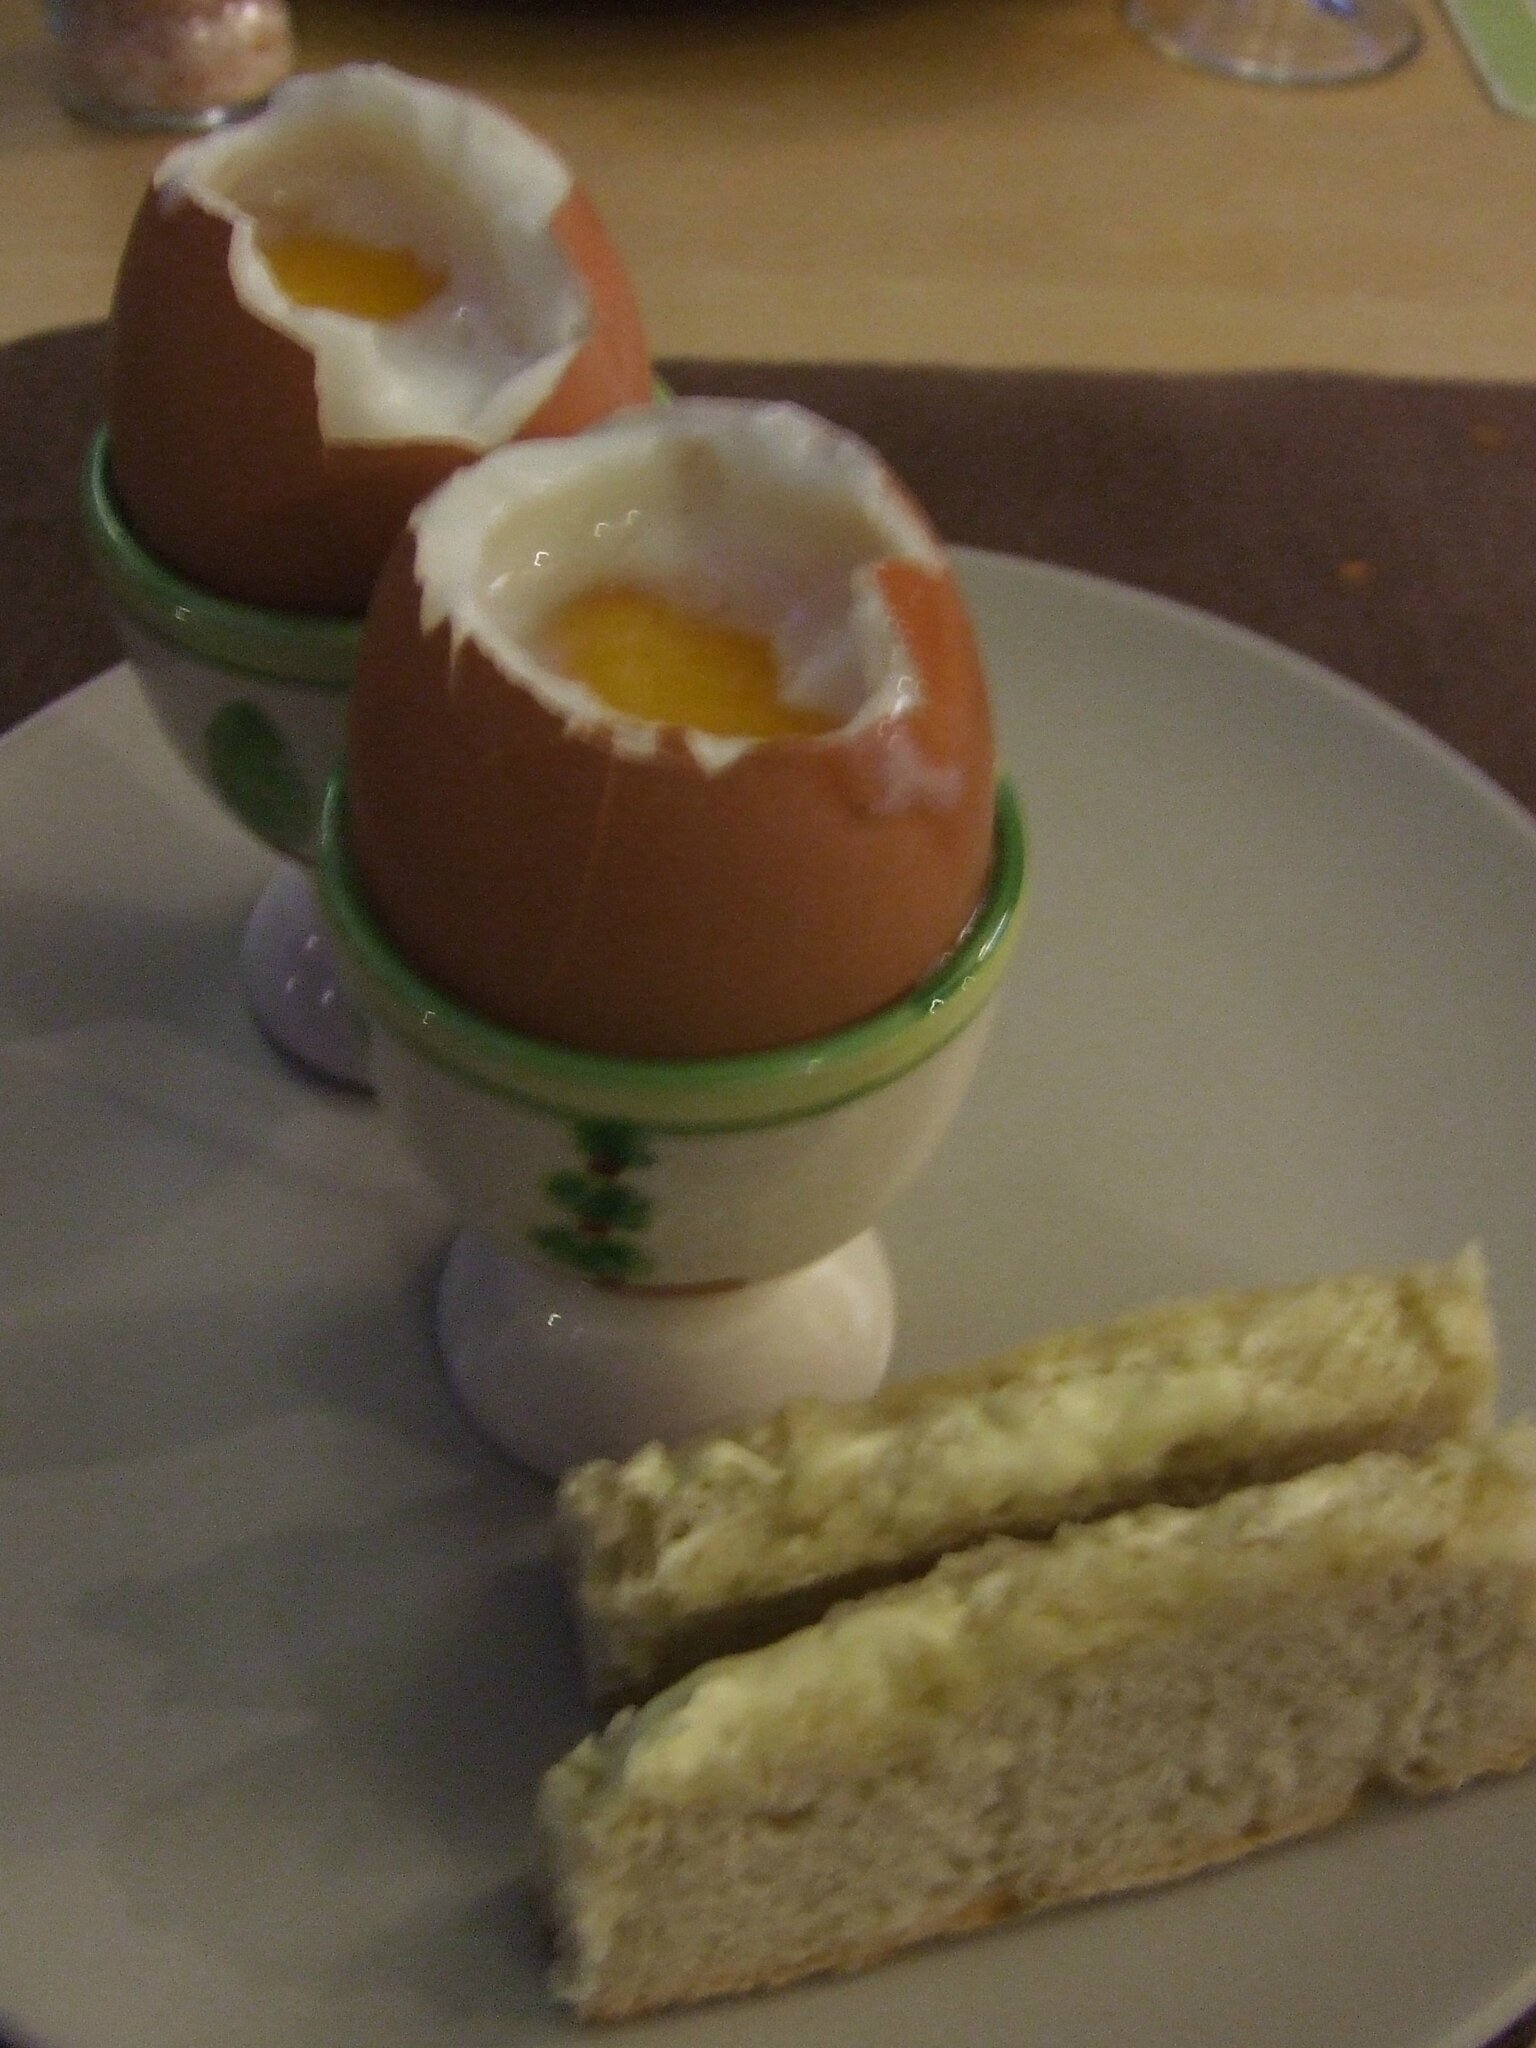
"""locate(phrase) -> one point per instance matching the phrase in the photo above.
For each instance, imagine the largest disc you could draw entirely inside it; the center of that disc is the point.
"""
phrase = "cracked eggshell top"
(270, 450)
(635, 888)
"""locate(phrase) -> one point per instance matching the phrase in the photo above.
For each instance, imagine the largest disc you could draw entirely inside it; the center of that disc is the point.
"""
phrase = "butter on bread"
(677, 1555)
(1032, 1723)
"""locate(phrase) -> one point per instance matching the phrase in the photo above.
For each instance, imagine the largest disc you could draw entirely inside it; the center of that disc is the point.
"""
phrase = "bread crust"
(993, 1909)
(996, 1908)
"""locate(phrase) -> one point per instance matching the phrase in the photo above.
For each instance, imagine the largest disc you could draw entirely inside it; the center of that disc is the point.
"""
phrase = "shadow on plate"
(388, 1697)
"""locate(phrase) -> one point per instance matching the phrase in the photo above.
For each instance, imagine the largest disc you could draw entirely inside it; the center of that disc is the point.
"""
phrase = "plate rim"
(1331, 682)
(1480, 2028)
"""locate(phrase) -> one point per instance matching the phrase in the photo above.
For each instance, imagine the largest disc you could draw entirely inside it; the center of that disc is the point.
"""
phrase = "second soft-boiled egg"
(672, 739)
(321, 312)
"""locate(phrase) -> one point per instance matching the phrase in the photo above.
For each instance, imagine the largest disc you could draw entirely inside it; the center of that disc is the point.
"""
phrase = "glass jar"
(179, 65)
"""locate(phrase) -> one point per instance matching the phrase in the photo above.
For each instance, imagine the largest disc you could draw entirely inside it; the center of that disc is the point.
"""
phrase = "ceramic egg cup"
(653, 1247)
(253, 702)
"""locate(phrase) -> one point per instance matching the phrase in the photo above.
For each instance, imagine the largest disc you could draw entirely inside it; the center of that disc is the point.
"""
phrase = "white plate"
(282, 1653)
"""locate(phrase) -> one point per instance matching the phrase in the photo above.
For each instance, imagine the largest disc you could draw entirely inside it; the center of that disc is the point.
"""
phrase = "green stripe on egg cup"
(740, 1091)
(316, 651)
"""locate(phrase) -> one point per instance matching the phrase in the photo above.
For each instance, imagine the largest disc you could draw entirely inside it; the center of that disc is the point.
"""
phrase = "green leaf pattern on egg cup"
(608, 1213)
(251, 698)
(253, 768)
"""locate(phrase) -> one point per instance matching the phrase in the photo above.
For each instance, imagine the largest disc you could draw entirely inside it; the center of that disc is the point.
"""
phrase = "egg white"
(369, 154)
(761, 517)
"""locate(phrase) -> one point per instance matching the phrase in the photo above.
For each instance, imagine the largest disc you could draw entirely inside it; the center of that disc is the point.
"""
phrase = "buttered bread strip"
(1038, 1722)
(677, 1555)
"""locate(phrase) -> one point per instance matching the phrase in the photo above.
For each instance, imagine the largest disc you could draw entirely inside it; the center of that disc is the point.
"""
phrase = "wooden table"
(1003, 182)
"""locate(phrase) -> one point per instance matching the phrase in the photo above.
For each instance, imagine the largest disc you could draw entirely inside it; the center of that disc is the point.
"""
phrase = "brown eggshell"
(216, 447)
(614, 366)
(642, 905)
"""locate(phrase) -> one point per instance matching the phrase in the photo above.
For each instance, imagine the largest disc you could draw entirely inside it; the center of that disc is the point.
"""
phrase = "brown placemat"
(1384, 526)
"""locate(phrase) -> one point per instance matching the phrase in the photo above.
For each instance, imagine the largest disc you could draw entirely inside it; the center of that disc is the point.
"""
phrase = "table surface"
(999, 182)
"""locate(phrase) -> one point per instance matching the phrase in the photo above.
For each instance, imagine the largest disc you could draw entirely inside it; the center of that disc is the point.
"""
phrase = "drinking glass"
(1280, 42)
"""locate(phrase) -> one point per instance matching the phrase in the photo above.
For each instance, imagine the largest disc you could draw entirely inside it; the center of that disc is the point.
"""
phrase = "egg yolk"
(339, 276)
(653, 659)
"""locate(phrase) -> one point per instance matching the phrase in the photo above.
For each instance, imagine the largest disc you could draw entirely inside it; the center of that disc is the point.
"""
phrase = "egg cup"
(650, 1246)
(253, 701)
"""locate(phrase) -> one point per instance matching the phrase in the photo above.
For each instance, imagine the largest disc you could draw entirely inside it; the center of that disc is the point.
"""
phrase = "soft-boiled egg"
(672, 739)
(323, 311)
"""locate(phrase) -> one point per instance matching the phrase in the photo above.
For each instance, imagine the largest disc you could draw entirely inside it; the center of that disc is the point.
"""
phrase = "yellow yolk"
(655, 660)
(338, 276)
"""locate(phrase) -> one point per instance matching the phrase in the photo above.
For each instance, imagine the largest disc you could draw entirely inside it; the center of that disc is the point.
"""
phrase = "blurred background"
(978, 182)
